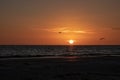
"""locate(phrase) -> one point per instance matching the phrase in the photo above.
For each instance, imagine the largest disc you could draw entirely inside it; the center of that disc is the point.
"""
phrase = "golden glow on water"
(72, 58)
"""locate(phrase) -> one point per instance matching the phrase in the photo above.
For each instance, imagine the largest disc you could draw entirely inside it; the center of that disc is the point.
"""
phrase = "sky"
(54, 22)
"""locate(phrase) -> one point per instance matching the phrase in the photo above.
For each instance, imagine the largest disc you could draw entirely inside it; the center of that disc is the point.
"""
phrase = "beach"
(60, 68)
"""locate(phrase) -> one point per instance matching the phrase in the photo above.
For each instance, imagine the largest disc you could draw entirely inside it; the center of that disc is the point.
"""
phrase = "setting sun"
(71, 41)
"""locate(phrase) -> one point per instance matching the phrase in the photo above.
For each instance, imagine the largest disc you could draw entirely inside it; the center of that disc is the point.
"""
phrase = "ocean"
(66, 62)
(58, 50)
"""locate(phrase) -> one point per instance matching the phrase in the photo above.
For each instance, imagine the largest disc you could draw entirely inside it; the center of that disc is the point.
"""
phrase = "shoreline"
(61, 68)
(55, 56)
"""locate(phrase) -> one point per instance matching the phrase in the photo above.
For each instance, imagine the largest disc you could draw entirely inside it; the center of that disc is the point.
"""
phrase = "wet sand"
(60, 68)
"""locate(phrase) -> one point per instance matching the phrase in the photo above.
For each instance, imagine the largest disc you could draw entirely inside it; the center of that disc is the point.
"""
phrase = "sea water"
(58, 50)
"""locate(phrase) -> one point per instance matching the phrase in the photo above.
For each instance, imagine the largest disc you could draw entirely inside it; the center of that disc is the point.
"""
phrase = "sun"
(71, 41)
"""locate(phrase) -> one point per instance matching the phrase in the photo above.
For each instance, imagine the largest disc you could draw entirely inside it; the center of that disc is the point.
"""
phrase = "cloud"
(55, 29)
(64, 30)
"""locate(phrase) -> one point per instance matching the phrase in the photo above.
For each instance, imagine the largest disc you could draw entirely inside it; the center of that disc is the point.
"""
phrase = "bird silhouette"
(101, 38)
(59, 32)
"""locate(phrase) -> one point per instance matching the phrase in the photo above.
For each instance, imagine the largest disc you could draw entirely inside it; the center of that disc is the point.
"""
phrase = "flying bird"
(101, 38)
(59, 32)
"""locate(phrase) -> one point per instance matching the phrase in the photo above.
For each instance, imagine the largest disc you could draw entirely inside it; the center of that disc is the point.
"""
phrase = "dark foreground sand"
(60, 68)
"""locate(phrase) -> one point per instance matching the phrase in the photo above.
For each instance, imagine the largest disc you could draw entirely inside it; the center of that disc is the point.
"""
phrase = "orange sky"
(38, 22)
